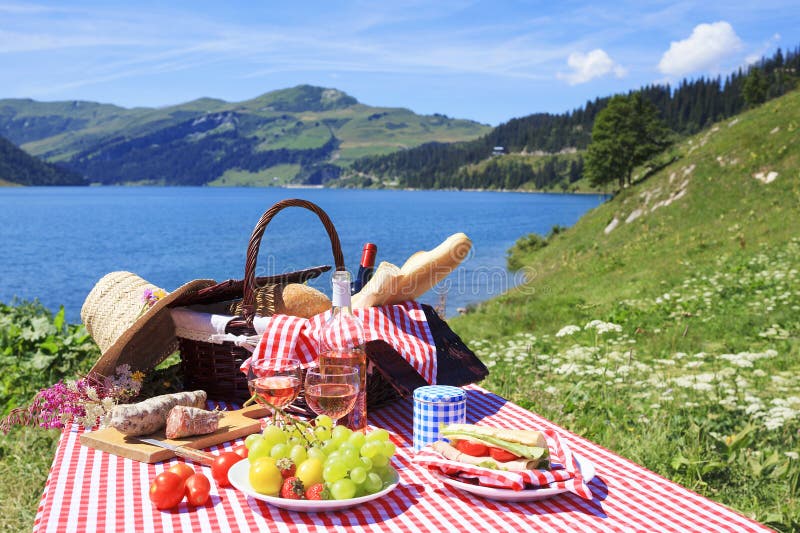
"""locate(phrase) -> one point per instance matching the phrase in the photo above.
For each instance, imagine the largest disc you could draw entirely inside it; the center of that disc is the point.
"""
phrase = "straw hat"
(130, 321)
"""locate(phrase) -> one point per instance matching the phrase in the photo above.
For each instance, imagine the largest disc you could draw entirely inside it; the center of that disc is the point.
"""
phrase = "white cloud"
(703, 50)
(586, 67)
(756, 55)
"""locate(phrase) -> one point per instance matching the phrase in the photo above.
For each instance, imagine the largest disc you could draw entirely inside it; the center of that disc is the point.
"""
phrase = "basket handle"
(248, 300)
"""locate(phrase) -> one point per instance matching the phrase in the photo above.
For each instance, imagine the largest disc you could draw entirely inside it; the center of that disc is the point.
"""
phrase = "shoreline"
(10, 185)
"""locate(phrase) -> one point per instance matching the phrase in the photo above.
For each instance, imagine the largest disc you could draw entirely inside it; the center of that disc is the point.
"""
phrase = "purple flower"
(67, 402)
(147, 296)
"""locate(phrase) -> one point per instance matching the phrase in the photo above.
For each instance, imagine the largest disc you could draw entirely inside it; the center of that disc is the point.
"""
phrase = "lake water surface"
(55, 243)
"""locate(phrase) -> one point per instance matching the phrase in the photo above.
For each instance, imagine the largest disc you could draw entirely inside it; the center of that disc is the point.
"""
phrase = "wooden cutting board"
(232, 425)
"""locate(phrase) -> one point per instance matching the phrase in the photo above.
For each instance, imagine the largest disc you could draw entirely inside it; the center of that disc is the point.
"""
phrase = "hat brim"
(150, 339)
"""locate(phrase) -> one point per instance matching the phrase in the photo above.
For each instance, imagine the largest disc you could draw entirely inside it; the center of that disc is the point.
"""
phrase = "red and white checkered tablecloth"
(89, 490)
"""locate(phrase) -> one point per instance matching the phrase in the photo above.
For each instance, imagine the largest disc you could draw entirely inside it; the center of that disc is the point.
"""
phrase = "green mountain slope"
(19, 168)
(311, 129)
(666, 323)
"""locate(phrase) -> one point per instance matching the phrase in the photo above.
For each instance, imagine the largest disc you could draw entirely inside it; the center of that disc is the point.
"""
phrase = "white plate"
(507, 495)
(239, 476)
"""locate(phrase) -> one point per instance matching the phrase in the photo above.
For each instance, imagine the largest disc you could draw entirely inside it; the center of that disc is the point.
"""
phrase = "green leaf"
(713, 466)
(679, 461)
(41, 361)
(49, 346)
(58, 320)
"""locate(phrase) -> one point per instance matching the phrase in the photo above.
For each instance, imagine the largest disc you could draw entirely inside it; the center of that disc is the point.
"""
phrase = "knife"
(197, 456)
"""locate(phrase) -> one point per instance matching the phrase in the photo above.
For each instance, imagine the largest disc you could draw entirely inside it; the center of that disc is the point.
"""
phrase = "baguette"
(424, 269)
(378, 289)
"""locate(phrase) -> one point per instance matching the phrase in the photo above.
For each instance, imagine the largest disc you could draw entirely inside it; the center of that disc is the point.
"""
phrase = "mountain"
(696, 269)
(19, 168)
(304, 134)
(686, 108)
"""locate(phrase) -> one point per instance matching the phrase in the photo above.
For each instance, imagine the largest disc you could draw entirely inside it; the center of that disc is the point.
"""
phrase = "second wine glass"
(332, 390)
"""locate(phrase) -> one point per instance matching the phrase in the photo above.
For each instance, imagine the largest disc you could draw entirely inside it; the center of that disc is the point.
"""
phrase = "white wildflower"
(778, 416)
(568, 330)
(604, 327)
(91, 393)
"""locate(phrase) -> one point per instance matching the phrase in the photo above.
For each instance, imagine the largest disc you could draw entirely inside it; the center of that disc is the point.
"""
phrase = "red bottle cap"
(368, 254)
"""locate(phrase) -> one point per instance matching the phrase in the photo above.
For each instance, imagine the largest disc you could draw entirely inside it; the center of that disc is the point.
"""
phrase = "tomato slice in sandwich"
(476, 449)
(499, 454)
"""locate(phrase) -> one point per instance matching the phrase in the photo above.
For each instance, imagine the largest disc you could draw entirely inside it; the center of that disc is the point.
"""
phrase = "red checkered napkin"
(403, 326)
(564, 472)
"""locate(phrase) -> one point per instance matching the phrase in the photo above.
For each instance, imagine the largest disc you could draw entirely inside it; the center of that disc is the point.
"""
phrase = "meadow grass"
(262, 178)
(26, 454)
(665, 325)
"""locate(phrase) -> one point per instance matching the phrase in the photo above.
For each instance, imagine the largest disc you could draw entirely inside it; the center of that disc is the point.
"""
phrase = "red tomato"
(166, 491)
(183, 470)
(475, 449)
(241, 451)
(222, 463)
(197, 489)
(501, 455)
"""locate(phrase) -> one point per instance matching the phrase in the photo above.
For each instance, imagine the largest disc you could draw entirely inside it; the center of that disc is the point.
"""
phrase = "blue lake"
(55, 243)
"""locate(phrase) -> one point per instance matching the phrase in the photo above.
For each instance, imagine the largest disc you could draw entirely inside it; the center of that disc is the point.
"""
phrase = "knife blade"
(197, 456)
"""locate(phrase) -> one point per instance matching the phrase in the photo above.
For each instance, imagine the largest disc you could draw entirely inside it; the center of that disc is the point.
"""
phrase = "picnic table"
(93, 490)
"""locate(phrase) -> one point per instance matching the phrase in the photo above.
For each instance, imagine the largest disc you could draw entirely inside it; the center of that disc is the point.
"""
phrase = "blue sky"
(487, 61)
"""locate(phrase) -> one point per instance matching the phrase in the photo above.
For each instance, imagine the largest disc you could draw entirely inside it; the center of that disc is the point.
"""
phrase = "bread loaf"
(392, 285)
(423, 270)
(379, 288)
(301, 300)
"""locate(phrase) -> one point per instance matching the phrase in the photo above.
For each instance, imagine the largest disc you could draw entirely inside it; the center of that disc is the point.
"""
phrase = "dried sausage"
(150, 415)
(184, 421)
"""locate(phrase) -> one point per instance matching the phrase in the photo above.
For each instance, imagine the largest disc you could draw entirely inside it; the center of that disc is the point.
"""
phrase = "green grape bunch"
(348, 463)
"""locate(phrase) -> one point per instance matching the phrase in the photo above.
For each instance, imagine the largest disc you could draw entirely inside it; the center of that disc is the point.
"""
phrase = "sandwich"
(499, 449)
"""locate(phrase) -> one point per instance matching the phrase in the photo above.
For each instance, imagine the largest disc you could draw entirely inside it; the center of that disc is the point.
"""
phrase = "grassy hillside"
(19, 168)
(693, 275)
(686, 107)
(314, 129)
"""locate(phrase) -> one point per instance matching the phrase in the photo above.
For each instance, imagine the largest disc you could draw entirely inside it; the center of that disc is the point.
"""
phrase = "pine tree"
(626, 133)
(755, 87)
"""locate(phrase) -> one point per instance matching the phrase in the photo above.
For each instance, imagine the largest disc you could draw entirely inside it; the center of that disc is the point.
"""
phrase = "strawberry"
(286, 466)
(292, 488)
(317, 491)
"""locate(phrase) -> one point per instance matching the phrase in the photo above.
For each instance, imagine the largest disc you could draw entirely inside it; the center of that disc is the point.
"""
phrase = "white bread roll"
(301, 300)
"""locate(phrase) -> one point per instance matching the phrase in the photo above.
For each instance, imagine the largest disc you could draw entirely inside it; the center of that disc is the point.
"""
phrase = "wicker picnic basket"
(215, 367)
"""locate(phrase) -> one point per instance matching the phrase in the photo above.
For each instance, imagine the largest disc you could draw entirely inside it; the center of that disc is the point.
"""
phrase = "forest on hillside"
(686, 108)
(17, 166)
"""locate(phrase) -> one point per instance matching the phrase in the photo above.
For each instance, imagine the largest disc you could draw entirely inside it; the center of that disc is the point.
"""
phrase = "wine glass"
(276, 382)
(332, 390)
